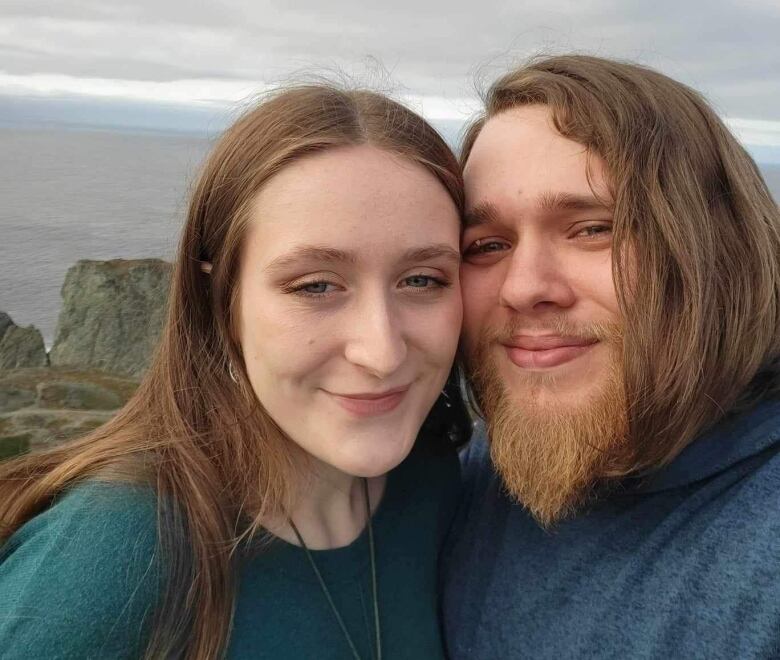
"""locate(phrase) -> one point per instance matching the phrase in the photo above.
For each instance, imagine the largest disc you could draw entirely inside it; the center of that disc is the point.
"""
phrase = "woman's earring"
(232, 372)
(446, 398)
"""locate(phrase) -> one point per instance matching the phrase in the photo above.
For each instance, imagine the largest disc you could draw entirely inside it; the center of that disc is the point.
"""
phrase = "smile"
(371, 403)
(545, 352)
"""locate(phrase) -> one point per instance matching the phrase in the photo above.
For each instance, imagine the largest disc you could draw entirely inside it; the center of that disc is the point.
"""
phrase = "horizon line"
(223, 98)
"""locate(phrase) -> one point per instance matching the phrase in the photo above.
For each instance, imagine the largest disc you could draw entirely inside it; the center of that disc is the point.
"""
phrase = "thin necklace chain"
(326, 591)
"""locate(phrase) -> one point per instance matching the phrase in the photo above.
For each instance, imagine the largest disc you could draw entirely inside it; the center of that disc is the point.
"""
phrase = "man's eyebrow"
(483, 213)
(562, 201)
(486, 213)
(311, 253)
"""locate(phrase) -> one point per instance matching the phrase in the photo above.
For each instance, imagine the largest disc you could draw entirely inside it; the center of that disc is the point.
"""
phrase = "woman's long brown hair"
(696, 254)
(199, 439)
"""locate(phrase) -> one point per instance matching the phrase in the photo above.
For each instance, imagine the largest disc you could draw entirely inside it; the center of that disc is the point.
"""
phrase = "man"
(621, 284)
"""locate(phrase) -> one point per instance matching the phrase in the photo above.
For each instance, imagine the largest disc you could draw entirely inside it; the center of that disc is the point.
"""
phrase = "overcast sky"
(216, 52)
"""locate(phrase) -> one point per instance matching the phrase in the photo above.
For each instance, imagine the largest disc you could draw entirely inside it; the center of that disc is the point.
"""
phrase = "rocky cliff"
(109, 324)
(20, 347)
(112, 314)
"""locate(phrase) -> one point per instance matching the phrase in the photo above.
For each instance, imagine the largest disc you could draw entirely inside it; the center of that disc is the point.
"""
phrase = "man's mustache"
(558, 325)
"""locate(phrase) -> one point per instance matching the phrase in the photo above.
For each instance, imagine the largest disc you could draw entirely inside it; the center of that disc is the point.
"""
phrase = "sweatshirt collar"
(730, 441)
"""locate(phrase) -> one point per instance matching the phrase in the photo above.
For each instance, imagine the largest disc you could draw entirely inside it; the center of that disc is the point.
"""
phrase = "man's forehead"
(523, 138)
(521, 124)
(519, 158)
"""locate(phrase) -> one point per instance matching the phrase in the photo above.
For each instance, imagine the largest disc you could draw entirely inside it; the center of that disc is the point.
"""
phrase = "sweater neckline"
(338, 564)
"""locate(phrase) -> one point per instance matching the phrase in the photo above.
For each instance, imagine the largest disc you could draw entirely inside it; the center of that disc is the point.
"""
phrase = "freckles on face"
(349, 303)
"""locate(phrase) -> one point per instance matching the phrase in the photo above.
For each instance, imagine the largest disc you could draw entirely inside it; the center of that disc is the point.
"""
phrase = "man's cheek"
(472, 327)
(479, 289)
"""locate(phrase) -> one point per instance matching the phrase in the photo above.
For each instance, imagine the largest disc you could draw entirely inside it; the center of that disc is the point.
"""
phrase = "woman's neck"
(330, 510)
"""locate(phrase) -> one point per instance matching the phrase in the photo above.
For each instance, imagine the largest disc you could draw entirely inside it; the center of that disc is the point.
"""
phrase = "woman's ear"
(205, 267)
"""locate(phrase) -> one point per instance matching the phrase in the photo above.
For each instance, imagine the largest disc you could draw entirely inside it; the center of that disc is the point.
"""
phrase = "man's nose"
(536, 280)
(377, 343)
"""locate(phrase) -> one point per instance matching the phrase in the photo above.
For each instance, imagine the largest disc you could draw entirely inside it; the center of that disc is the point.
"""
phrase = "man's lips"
(371, 403)
(545, 351)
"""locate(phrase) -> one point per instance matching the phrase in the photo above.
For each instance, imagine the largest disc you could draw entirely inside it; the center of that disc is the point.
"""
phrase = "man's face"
(537, 264)
(541, 318)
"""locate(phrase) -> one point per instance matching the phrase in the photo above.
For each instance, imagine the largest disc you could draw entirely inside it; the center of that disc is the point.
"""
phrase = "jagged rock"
(112, 314)
(20, 347)
(5, 323)
(77, 396)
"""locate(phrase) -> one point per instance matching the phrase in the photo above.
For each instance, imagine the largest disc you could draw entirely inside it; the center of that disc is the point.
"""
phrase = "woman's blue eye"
(315, 287)
(425, 282)
(419, 281)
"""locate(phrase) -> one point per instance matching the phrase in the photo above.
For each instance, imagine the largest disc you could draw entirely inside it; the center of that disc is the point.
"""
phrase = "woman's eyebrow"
(311, 253)
(334, 255)
(430, 252)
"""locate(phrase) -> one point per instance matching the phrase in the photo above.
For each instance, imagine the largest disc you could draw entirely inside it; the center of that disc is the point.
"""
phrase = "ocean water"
(67, 195)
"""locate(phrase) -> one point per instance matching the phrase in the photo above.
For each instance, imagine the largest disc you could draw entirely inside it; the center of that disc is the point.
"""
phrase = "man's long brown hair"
(202, 441)
(696, 256)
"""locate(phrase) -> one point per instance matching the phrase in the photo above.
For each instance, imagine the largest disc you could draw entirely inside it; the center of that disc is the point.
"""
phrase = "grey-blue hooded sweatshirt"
(684, 565)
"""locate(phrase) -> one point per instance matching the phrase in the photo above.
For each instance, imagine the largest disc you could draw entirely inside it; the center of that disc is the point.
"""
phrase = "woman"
(262, 495)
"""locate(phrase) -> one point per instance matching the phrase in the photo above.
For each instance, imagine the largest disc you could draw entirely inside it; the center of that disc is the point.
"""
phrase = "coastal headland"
(109, 324)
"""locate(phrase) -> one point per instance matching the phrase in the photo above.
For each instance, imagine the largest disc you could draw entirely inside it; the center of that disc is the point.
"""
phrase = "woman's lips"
(371, 403)
(543, 352)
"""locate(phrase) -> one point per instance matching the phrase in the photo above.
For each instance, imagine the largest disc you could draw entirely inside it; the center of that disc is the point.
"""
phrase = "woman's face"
(349, 303)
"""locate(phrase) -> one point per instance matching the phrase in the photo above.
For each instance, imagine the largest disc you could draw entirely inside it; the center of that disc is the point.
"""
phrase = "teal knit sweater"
(82, 579)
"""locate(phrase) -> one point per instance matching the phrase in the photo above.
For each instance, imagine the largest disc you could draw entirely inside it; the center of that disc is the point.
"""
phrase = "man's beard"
(552, 458)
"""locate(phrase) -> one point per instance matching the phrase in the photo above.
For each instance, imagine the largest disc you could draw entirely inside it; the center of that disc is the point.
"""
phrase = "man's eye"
(486, 246)
(594, 231)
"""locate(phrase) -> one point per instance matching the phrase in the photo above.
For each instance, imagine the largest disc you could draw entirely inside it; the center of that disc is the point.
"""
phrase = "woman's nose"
(376, 342)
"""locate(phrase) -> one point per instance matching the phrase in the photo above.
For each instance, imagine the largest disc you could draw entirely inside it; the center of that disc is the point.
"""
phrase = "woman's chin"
(374, 463)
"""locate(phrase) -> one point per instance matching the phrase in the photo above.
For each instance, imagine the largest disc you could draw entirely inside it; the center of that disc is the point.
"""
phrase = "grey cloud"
(729, 50)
